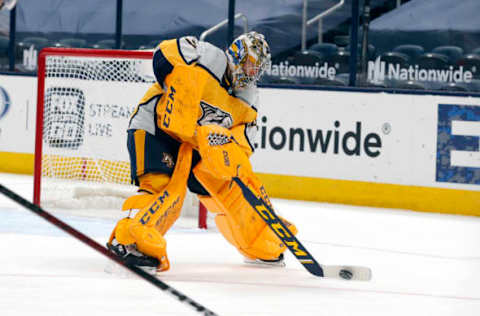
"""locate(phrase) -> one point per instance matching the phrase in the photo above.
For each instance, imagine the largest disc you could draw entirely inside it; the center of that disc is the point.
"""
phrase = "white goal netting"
(87, 100)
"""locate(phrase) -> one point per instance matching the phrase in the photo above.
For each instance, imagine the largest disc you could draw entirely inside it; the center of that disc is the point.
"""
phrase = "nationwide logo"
(349, 140)
(378, 72)
(303, 71)
(30, 58)
(4, 102)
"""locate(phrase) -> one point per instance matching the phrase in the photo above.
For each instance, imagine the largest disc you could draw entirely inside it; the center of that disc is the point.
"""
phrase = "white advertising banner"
(406, 139)
(373, 137)
(89, 118)
(18, 95)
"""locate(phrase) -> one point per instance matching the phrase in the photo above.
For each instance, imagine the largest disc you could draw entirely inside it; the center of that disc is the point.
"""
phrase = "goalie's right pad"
(152, 221)
(223, 159)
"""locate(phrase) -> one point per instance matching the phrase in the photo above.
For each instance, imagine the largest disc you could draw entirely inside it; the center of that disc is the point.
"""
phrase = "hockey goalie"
(193, 130)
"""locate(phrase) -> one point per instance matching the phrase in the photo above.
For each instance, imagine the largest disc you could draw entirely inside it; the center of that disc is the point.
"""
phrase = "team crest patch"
(192, 41)
(214, 115)
(168, 160)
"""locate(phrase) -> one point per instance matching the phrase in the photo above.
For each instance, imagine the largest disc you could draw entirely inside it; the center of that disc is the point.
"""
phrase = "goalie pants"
(157, 154)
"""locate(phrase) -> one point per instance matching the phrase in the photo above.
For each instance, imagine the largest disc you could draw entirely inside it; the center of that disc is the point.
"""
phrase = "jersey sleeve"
(245, 136)
(170, 53)
(248, 95)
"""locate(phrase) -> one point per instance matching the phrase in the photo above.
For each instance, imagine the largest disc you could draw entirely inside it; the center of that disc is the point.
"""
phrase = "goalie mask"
(248, 57)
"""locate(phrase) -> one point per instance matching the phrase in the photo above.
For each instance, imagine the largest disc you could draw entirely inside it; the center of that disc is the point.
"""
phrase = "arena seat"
(306, 58)
(266, 79)
(340, 61)
(474, 85)
(453, 53)
(154, 43)
(4, 41)
(150, 45)
(476, 51)
(72, 43)
(145, 47)
(341, 41)
(325, 49)
(329, 82)
(360, 81)
(433, 61)
(410, 50)
(452, 86)
(394, 58)
(102, 46)
(105, 44)
(37, 42)
(305, 80)
(371, 51)
(471, 62)
(369, 84)
(410, 85)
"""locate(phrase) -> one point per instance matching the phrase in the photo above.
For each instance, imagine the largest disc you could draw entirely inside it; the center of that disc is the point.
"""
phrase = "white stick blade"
(350, 273)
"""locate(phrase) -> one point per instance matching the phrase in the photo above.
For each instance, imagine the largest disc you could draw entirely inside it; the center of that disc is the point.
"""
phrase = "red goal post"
(84, 100)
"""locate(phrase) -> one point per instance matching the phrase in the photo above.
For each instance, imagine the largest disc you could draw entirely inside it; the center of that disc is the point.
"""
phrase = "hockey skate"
(134, 257)
(279, 262)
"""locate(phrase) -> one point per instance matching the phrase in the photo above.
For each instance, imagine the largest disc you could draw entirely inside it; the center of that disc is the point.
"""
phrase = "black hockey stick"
(93, 244)
(294, 245)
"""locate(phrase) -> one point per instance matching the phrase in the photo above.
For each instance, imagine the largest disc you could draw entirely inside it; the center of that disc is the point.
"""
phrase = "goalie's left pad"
(223, 159)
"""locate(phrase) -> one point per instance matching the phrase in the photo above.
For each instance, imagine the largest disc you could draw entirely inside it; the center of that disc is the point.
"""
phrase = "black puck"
(345, 274)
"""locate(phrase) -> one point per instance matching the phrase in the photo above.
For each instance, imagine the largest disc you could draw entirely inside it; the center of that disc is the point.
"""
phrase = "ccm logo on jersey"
(169, 107)
(458, 144)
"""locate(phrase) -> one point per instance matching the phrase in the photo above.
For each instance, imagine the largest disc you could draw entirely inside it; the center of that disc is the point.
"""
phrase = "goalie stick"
(296, 248)
(93, 244)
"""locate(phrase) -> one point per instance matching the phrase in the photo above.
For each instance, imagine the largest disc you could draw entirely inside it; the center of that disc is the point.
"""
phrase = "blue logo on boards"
(4, 102)
(458, 144)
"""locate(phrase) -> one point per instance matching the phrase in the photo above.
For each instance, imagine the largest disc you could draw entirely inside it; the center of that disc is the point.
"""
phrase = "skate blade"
(119, 271)
(258, 262)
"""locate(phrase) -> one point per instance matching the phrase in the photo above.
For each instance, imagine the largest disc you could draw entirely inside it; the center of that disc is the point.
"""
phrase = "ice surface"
(423, 264)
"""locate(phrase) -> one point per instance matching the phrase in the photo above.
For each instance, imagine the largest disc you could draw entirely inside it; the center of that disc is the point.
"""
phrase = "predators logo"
(192, 41)
(214, 115)
(168, 160)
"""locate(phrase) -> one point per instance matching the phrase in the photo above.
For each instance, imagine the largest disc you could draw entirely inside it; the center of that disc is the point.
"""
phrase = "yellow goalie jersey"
(192, 90)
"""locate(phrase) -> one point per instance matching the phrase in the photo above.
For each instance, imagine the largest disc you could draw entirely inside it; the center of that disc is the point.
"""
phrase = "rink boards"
(412, 151)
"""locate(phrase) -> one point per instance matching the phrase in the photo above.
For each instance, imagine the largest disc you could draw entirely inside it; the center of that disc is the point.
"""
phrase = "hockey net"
(84, 101)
